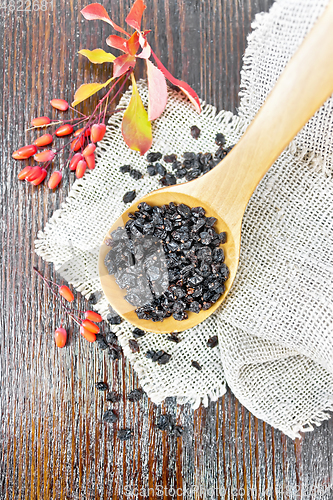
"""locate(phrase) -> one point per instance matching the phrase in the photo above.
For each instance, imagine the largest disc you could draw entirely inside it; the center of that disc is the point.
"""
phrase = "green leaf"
(88, 89)
(97, 56)
(136, 127)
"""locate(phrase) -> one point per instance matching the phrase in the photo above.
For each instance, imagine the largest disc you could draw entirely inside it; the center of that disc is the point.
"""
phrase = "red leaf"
(158, 93)
(122, 64)
(134, 17)
(116, 42)
(136, 128)
(133, 44)
(97, 11)
(193, 97)
(146, 50)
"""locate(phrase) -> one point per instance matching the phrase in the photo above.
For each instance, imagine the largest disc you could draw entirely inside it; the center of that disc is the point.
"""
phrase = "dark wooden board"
(52, 441)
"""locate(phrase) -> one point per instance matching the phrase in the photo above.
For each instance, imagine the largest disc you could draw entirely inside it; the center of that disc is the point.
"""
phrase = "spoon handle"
(304, 85)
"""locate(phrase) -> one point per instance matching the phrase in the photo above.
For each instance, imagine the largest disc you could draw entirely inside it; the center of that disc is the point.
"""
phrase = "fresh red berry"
(77, 143)
(22, 175)
(60, 337)
(97, 132)
(74, 161)
(40, 179)
(87, 334)
(64, 130)
(40, 121)
(89, 150)
(80, 130)
(43, 140)
(90, 161)
(34, 173)
(25, 152)
(66, 293)
(93, 316)
(46, 155)
(80, 169)
(89, 325)
(60, 104)
(55, 179)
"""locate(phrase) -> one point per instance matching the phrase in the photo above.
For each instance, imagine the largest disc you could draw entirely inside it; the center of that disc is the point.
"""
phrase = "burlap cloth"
(275, 328)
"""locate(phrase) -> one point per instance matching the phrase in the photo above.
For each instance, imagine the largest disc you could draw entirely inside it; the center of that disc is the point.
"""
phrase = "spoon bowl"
(115, 295)
(224, 192)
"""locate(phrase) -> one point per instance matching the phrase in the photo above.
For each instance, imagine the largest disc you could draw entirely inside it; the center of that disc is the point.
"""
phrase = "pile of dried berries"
(169, 261)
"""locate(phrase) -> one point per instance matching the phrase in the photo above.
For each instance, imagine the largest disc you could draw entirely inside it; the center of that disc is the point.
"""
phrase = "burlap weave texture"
(275, 328)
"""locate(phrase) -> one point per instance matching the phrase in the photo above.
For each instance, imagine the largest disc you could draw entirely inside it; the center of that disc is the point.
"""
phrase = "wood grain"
(53, 444)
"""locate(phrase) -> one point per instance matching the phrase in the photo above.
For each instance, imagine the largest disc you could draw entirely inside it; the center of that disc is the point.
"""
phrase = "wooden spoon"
(224, 192)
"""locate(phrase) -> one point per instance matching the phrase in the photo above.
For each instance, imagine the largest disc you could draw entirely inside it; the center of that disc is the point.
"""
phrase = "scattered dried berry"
(113, 318)
(161, 357)
(196, 365)
(135, 174)
(213, 341)
(111, 337)
(135, 395)
(174, 338)
(100, 339)
(125, 169)
(178, 430)
(137, 333)
(129, 196)
(134, 346)
(115, 352)
(160, 169)
(112, 397)
(151, 170)
(170, 158)
(220, 139)
(110, 417)
(163, 422)
(101, 386)
(152, 157)
(195, 132)
(125, 434)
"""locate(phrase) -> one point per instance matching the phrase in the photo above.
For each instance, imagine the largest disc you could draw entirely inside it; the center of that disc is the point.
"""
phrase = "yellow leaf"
(88, 89)
(136, 128)
(97, 56)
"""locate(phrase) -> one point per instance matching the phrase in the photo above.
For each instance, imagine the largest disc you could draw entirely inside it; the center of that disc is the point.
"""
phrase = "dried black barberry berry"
(151, 170)
(135, 395)
(115, 352)
(170, 158)
(111, 337)
(152, 157)
(112, 397)
(178, 430)
(101, 341)
(125, 169)
(163, 422)
(196, 365)
(101, 386)
(114, 319)
(195, 132)
(164, 358)
(135, 174)
(137, 333)
(110, 417)
(173, 338)
(213, 341)
(94, 297)
(220, 139)
(160, 169)
(134, 346)
(124, 434)
(129, 196)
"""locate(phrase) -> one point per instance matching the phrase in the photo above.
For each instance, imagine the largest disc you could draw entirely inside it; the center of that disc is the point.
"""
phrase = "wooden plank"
(53, 444)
